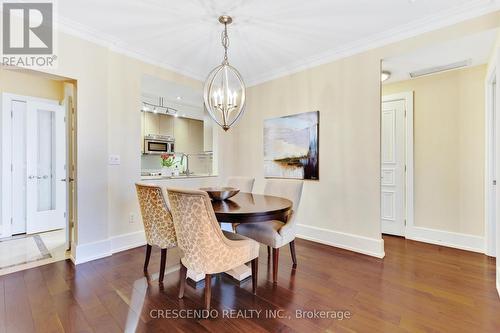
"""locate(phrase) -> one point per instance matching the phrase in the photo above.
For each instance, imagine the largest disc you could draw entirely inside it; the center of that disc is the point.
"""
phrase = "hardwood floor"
(417, 287)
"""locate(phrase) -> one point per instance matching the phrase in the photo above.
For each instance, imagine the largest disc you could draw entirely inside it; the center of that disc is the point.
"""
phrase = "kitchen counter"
(178, 177)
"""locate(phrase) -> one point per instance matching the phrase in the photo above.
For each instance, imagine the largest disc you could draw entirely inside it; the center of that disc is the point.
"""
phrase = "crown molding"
(91, 35)
(412, 29)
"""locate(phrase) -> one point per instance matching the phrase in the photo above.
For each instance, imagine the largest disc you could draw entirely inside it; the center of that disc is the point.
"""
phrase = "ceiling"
(171, 91)
(476, 47)
(268, 38)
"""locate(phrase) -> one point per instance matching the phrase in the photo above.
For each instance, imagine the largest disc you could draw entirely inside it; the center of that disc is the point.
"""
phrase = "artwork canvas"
(291, 147)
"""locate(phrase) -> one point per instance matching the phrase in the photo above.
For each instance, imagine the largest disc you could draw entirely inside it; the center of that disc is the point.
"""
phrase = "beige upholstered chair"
(245, 184)
(276, 234)
(158, 223)
(206, 249)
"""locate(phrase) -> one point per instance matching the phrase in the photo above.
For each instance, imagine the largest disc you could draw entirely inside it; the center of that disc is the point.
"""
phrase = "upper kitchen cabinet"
(173, 120)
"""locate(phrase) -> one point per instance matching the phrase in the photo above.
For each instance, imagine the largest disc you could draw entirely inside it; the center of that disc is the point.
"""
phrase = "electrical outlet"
(131, 218)
(114, 160)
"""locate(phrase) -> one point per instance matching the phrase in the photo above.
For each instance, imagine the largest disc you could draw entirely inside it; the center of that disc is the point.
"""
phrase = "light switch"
(114, 160)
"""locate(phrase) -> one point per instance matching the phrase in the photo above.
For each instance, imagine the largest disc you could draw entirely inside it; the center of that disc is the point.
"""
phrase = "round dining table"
(251, 208)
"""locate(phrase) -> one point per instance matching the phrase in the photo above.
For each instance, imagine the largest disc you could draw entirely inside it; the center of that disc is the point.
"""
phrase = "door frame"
(491, 227)
(6, 155)
(409, 177)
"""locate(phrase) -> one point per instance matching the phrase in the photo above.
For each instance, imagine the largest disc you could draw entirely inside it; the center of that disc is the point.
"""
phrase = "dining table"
(246, 208)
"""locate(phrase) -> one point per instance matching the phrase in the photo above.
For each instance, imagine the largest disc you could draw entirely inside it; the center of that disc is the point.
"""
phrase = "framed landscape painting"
(291, 146)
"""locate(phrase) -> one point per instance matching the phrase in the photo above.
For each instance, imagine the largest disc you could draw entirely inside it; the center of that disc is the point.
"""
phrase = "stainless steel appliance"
(159, 144)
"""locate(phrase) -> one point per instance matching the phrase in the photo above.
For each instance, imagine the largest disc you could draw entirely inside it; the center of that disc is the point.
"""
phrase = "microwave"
(159, 144)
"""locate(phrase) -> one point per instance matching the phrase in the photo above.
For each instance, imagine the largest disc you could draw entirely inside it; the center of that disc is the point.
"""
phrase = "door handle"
(31, 177)
(65, 180)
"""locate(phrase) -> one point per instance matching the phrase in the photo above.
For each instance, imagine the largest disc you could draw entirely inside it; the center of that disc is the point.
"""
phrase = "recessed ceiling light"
(179, 97)
(384, 76)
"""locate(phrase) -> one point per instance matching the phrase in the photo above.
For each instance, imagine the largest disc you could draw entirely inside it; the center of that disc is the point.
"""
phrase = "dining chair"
(158, 223)
(276, 234)
(206, 249)
(244, 184)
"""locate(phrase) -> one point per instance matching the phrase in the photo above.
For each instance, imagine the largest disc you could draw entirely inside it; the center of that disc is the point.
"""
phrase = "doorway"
(34, 190)
(396, 163)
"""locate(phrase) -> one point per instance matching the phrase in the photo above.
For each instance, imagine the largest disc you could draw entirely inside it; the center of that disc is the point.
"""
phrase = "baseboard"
(498, 280)
(446, 238)
(91, 251)
(127, 241)
(106, 247)
(365, 245)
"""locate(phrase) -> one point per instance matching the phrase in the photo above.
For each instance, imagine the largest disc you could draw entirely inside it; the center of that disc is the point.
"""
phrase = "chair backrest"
(245, 184)
(198, 233)
(156, 216)
(285, 188)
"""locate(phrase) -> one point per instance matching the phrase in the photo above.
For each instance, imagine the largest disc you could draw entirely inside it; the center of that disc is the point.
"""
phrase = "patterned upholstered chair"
(245, 184)
(158, 223)
(206, 249)
(276, 234)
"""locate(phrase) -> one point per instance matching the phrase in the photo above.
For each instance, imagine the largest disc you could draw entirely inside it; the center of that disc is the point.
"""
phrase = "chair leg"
(208, 290)
(268, 252)
(276, 255)
(162, 264)
(292, 251)
(148, 255)
(255, 273)
(182, 281)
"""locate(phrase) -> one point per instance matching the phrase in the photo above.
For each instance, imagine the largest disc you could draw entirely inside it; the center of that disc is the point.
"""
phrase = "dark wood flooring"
(417, 287)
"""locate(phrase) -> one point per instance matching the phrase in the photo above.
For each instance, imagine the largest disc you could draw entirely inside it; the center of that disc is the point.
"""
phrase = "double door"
(35, 144)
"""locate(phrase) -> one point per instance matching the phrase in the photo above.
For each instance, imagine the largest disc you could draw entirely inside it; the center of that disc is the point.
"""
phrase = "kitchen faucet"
(187, 172)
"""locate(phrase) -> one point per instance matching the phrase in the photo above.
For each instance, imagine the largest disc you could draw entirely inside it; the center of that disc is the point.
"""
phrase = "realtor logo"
(28, 34)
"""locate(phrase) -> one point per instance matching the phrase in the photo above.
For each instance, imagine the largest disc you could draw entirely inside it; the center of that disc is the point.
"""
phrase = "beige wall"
(448, 149)
(347, 92)
(16, 82)
(343, 207)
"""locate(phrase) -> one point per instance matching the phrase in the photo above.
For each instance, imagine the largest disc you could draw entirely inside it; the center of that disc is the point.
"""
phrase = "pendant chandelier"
(224, 92)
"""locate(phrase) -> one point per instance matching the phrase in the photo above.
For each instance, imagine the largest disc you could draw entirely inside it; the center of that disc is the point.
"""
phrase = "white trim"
(6, 155)
(107, 247)
(446, 238)
(415, 28)
(409, 180)
(498, 281)
(92, 251)
(365, 245)
(127, 241)
(489, 202)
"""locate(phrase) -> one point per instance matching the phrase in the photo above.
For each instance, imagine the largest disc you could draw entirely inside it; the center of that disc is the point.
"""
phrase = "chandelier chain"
(225, 43)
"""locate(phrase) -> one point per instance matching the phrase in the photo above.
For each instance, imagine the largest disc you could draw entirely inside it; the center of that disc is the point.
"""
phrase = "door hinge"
(405, 168)
(64, 214)
(12, 113)
(405, 112)
(405, 222)
(494, 182)
(11, 221)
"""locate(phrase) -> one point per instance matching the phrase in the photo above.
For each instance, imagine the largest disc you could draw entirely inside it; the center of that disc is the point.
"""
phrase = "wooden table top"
(250, 207)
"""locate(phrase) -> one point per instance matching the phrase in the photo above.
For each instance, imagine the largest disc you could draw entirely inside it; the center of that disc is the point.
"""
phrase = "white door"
(18, 168)
(393, 167)
(45, 166)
